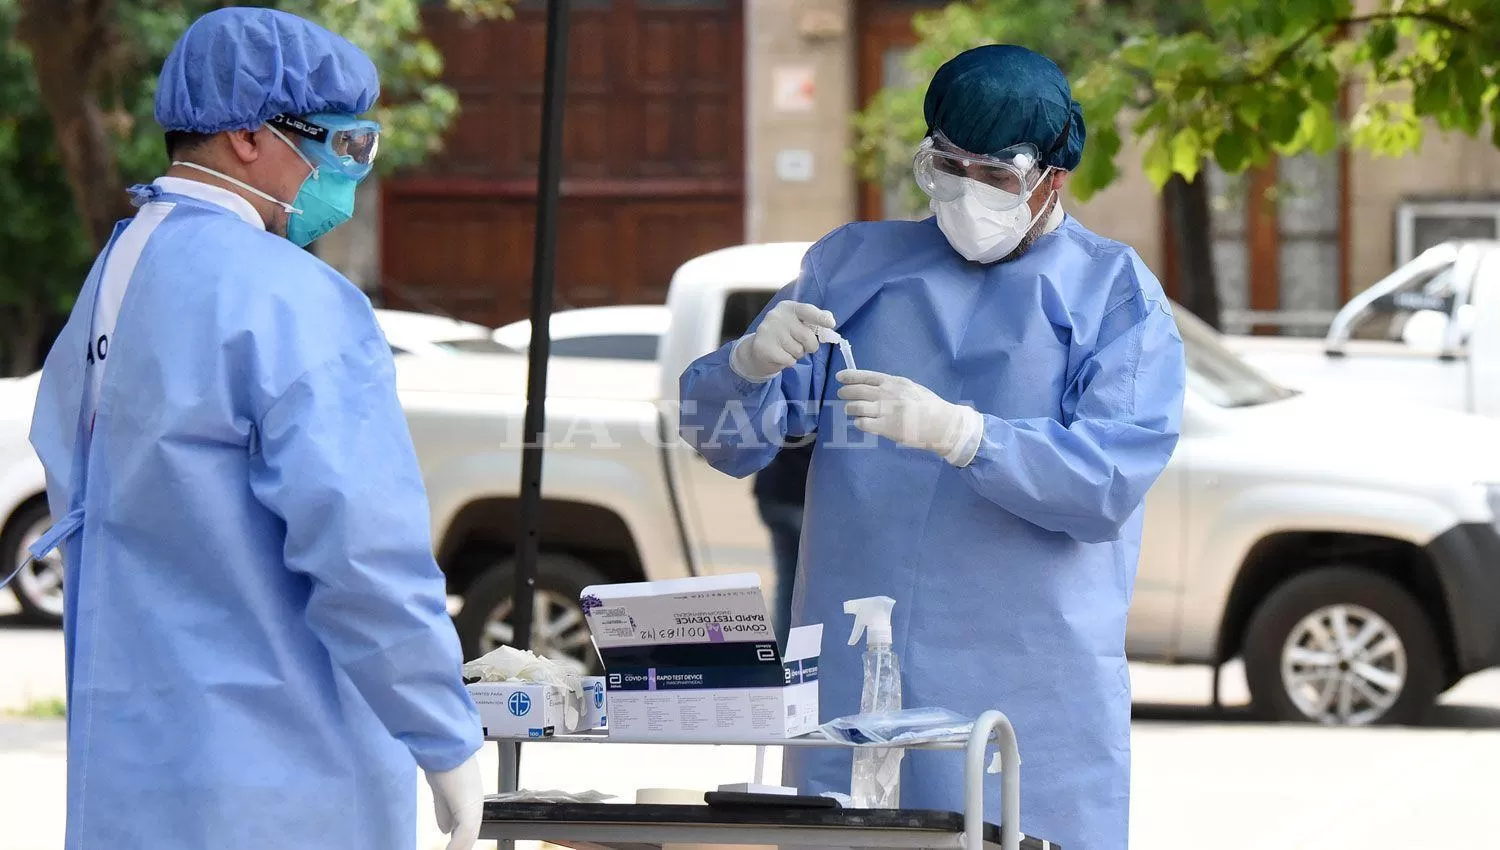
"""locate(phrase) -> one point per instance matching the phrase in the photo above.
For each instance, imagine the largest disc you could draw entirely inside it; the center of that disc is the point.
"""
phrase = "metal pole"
(985, 728)
(544, 263)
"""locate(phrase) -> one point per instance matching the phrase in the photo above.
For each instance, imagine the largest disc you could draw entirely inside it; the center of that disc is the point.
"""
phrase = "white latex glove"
(785, 336)
(905, 411)
(458, 798)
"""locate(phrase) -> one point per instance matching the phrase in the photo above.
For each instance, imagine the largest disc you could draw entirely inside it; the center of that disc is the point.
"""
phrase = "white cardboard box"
(696, 660)
(594, 703)
(520, 710)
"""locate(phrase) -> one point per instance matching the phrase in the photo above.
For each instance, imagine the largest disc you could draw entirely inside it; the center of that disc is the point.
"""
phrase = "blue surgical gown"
(1012, 575)
(258, 650)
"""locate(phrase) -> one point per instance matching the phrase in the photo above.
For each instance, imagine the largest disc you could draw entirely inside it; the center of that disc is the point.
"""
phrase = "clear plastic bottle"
(875, 782)
(832, 337)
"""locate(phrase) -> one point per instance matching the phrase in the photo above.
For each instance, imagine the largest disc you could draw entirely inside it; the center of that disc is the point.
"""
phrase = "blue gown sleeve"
(1087, 475)
(337, 465)
(738, 426)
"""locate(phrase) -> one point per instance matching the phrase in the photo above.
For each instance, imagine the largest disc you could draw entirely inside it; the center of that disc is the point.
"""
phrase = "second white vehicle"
(1428, 333)
(623, 332)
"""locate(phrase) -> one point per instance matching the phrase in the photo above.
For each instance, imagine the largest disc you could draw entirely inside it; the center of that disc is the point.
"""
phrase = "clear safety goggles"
(943, 169)
(340, 142)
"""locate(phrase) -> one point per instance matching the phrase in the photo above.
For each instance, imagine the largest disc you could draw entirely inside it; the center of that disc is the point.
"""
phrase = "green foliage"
(414, 109)
(1230, 80)
(1070, 32)
(1265, 78)
(46, 709)
(46, 247)
(42, 242)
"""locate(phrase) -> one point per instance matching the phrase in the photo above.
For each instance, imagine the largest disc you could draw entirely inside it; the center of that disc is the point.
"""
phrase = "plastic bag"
(909, 726)
(549, 797)
(508, 664)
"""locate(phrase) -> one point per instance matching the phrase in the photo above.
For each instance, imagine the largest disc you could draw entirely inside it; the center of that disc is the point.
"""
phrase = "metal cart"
(649, 826)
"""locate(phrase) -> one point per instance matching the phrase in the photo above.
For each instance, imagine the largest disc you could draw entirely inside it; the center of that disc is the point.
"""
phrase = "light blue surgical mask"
(324, 201)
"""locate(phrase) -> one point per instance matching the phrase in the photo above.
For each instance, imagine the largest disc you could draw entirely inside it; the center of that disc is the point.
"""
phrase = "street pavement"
(1201, 780)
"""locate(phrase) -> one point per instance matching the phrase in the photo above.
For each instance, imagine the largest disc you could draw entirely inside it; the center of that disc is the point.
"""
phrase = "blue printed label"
(801, 672)
(691, 655)
(689, 678)
(519, 704)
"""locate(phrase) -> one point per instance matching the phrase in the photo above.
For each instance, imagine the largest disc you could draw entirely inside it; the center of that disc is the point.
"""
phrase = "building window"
(1278, 251)
(1226, 198)
(1307, 216)
(1423, 224)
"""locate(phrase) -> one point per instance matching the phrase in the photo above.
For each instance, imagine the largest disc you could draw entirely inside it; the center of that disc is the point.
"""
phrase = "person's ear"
(244, 144)
(1059, 180)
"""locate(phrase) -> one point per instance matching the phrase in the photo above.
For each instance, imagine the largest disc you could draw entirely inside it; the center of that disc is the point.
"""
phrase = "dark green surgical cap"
(989, 98)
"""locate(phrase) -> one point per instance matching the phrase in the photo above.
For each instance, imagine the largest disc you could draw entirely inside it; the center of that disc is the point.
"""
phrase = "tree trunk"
(27, 336)
(68, 40)
(1192, 244)
(25, 326)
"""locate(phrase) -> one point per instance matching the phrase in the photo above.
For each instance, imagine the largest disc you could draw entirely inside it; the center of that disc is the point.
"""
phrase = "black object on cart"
(588, 826)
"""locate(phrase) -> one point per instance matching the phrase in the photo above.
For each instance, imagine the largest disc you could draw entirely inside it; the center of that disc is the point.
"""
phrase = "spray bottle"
(876, 780)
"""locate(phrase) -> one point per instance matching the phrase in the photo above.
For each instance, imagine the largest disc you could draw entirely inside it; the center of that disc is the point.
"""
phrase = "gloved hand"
(785, 336)
(909, 413)
(458, 797)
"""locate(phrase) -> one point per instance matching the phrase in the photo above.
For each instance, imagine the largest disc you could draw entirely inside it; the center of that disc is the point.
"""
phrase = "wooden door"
(653, 159)
(885, 37)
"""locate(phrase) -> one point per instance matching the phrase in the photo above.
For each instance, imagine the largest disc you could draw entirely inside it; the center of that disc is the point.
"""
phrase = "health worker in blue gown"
(258, 649)
(1021, 389)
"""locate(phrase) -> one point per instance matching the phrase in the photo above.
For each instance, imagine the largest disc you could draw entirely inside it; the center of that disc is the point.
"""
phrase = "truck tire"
(1343, 646)
(558, 631)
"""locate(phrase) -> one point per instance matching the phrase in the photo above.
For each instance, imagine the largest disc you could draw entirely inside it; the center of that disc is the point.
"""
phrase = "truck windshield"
(1434, 293)
(1218, 374)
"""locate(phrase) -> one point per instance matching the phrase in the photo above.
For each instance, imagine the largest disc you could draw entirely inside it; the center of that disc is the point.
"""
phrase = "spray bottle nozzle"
(873, 613)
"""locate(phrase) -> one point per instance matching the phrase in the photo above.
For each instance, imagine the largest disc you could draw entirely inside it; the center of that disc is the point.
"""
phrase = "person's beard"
(1037, 229)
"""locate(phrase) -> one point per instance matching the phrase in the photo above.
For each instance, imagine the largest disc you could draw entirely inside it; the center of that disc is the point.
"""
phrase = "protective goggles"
(342, 143)
(943, 169)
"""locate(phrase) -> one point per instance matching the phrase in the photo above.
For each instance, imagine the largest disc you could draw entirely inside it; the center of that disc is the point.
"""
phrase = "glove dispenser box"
(527, 710)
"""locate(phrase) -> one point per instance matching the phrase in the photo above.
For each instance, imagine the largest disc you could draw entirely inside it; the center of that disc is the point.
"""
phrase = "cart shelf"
(590, 826)
(628, 827)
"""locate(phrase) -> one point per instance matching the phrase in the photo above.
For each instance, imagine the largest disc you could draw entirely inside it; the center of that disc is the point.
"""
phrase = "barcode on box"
(791, 712)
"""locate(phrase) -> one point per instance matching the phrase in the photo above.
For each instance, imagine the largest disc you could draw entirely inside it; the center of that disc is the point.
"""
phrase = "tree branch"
(1376, 17)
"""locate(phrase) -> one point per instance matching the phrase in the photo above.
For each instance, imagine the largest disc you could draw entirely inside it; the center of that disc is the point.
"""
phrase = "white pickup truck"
(1429, 333)
(1355, 592)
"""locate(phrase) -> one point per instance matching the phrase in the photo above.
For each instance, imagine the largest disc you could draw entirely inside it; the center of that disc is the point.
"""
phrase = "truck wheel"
(558, 629)
(1342, 646)
(38, 585)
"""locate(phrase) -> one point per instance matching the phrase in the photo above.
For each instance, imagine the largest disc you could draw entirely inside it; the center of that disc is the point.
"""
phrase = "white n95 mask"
(977, 231)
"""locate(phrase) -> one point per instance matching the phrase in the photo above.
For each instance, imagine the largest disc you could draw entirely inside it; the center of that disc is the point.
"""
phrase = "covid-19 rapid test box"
(696, 660)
